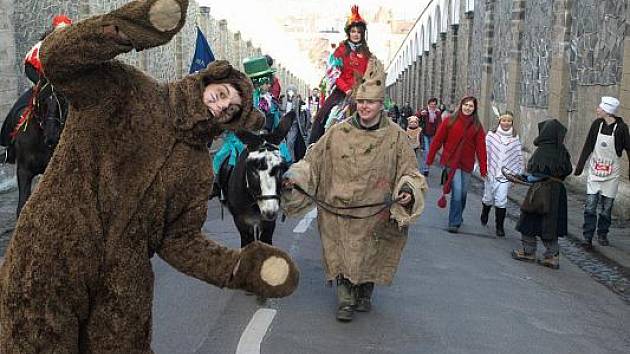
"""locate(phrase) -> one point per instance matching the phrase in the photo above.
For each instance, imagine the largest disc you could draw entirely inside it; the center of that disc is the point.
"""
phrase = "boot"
(552, 262)
(587, 244)
(485, 211)
(603, 240)
(499, 216)
(520, 255)
(345, 299)
(364, 297)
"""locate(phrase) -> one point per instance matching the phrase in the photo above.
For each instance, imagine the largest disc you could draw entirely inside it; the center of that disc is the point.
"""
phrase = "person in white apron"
(603, 172)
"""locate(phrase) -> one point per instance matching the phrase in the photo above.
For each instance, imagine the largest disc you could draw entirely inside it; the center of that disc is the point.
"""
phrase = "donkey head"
(265, 167)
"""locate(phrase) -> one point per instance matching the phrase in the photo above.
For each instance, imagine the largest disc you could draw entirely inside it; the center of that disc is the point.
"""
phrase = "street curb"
(575, 239)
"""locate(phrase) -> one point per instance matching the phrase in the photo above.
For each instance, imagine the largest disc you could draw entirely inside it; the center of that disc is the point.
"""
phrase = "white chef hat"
(609, 104)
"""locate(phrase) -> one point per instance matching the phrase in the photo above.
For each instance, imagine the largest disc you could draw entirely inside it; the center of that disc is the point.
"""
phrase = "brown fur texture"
(130, 177)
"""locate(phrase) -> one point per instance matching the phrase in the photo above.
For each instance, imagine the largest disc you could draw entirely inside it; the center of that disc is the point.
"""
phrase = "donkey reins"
(328, 207)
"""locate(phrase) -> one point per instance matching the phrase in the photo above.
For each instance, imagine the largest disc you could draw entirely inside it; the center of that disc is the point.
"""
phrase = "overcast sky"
(253, 18)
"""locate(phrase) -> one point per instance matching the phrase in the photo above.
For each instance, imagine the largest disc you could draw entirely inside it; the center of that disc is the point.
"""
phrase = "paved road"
(454, 293)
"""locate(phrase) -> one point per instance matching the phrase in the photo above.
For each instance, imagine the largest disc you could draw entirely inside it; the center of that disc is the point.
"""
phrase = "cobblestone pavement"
(609, 266)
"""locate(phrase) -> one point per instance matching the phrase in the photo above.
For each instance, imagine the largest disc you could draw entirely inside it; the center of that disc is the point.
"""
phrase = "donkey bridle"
(261, 196)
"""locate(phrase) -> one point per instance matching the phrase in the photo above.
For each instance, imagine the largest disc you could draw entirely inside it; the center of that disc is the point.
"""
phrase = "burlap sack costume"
(130, 177)
(351, 166)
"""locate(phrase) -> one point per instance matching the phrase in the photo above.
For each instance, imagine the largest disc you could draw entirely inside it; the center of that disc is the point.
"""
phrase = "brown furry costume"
(130, 177)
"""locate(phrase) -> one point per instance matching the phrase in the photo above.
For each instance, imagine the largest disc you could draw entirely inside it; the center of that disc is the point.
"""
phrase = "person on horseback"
(41, 92)
(261, 74)
(364, 178)
(122, 187)
(348, 61)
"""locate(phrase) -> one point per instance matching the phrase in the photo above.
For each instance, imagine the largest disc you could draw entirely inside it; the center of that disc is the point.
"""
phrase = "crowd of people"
(364, 168)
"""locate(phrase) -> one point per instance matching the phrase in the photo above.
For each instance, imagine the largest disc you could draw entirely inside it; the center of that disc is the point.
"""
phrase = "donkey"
(36, 135)
(251, 190)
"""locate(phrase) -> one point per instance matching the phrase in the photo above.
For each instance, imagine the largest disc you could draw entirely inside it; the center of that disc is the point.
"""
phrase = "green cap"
(256, 67)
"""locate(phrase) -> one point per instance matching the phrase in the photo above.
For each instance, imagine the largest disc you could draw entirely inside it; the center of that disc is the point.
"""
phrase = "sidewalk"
(617, 253)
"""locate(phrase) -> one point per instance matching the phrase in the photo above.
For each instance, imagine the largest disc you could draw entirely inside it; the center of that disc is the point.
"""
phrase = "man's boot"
(345, 299)
(364, 297)
(485, 211)
(603, 240)
(552, 262)
(499, 216)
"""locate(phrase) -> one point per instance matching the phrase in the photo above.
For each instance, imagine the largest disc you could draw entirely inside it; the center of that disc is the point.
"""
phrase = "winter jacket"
(428, 128)
(351, 63)
(448, 138)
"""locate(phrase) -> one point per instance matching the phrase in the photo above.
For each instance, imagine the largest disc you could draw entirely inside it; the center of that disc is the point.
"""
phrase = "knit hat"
(609, 104)
(372, 85)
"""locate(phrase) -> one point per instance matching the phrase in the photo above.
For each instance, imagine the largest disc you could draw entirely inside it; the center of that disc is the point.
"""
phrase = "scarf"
(354, 47)
(505, 135)
(412, 134)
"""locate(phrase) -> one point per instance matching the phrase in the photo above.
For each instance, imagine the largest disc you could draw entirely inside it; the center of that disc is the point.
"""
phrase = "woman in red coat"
(347, 62)
(461, 138)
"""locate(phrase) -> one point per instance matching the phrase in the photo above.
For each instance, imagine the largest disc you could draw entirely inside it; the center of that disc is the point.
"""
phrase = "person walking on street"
(461, 138)
(413, 134)
(405, 113)
(363, 161)
(544, 210)
(349, 59)
(504, 151)
(605, 143)
(430, 120)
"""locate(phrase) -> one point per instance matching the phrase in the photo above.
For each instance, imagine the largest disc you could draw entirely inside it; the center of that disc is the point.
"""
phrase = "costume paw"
(148, 23)
(164, 15)
(266, 271)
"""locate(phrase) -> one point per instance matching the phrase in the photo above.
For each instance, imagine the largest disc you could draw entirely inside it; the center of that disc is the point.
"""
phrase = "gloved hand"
(266, 271)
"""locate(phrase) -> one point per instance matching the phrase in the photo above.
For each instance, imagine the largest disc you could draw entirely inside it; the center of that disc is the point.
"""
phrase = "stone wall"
(23, 22)
(538, 58)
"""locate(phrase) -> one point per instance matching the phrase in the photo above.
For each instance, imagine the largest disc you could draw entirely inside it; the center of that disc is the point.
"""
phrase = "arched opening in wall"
(425, 62)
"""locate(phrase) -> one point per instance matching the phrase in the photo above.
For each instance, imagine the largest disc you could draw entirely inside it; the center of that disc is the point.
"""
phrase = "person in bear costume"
(130, 177)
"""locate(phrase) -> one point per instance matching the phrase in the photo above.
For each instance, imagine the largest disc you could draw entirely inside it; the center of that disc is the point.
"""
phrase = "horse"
(251, 189)
(35, 129)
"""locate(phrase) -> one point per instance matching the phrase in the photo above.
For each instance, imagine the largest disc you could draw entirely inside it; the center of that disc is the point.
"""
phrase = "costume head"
(61, 21)
(372, 85)
(355, 20)
(221, 72)
(609, 105)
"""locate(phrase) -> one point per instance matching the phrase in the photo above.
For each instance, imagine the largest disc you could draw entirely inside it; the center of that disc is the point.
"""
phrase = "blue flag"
(203, 54)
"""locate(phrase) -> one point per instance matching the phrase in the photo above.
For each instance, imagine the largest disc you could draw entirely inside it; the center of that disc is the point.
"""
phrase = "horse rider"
(42, 90)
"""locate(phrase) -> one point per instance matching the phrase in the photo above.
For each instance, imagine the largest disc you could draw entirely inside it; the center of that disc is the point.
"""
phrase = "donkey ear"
(282, 129)
(252, 140)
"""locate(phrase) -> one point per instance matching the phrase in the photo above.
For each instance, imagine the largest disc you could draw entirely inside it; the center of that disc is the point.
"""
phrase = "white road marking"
(303, 225)
(255, 332)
